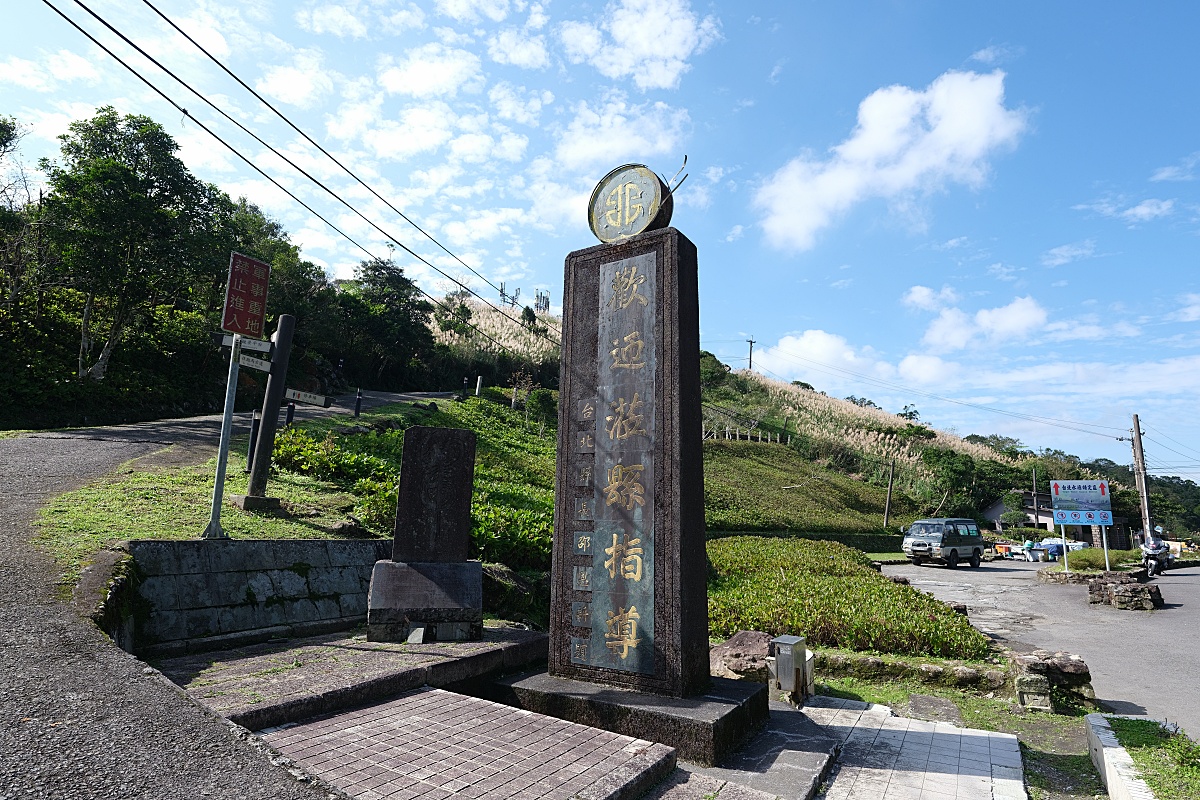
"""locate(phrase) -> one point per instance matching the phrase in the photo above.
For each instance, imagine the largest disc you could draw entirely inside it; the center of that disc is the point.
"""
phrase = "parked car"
(944, 541)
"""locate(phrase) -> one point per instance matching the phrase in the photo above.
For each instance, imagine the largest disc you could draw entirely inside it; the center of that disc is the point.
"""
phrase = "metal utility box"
(789, 654)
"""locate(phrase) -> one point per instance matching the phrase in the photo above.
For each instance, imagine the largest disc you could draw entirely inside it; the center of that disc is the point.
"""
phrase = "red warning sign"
(246, 296)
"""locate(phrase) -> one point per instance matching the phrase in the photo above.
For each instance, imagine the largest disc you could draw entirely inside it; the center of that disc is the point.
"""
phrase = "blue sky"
(913, 202)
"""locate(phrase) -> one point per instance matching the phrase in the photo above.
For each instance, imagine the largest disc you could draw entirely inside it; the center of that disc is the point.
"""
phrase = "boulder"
(994, 678)
(743, 657)
(930, 673)
(965, 676)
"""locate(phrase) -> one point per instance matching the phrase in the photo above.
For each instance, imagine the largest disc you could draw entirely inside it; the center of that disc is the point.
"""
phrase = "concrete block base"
(704, 728)
(250, 502)
(425, 602)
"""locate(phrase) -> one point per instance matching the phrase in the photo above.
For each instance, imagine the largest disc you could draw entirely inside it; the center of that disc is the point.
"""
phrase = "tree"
(1004, 445)
(712, 371)
(395, 319)
(862, 402)
(454, 314)
(804, 385)
(910, 413)
(1014, 514)
(121, 210)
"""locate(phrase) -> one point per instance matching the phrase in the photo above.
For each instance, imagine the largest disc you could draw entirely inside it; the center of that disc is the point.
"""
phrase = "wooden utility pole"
(887, 504)
(1139, 472)
(751, 365)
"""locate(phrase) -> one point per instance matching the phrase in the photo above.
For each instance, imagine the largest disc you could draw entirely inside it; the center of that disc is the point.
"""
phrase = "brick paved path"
(895, 758)
(433, 744)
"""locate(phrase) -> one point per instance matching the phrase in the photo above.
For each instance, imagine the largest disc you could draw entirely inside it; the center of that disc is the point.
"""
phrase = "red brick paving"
(431, 744)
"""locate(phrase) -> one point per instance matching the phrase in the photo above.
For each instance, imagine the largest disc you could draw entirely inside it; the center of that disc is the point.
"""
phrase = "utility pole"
(1139, 472)
(887, 504)
(751, 365)
(1037, 516)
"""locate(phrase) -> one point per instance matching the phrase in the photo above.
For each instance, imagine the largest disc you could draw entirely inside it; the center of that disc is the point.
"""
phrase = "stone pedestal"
(425, 602)
(703, 728)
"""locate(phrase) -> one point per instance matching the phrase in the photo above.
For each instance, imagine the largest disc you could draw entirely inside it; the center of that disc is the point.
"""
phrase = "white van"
(944, 541)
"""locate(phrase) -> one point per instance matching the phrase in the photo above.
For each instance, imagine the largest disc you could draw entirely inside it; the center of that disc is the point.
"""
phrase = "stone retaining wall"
(167, 598)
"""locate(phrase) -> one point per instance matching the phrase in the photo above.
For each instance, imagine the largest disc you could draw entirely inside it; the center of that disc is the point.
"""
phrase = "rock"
(1033, 692)
(965, 676)
(930, 673)
(349, 529)
(899, 579)
(870, 666)
(994, 678)
(959, 608)
(743, 657)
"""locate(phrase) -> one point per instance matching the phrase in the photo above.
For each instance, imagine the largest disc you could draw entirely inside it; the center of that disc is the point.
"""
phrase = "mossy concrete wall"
(193, 596)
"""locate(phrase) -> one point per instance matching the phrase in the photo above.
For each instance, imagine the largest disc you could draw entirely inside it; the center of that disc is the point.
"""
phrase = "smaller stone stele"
(429, 591)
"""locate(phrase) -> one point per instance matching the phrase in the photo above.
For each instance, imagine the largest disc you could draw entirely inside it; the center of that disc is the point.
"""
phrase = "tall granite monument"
(429, 591)
(629, 604)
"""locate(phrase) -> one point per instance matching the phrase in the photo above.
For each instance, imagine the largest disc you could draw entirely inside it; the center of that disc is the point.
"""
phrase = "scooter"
(1155, 556)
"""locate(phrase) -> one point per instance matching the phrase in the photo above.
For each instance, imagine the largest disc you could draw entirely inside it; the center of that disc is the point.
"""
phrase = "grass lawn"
(1053, 746)
(1169, 762)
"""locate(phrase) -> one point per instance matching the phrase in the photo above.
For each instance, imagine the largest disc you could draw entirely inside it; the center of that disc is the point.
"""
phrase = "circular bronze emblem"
(629, 200)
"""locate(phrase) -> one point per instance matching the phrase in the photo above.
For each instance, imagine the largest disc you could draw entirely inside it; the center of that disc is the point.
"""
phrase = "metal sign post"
(214, 530)
(1104, 537)
(1062, 531)
(1081, 503)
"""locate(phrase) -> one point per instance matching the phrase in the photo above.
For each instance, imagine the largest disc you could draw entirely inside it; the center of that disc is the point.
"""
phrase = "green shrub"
(296, 451)
(828, 593)
(1093, 558)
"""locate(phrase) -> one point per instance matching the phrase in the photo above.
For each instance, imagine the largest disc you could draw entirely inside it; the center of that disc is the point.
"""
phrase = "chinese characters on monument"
(246, 296)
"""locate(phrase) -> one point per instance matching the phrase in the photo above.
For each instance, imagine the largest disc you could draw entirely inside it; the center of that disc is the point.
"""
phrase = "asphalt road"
(79, 718)
(1142, 662)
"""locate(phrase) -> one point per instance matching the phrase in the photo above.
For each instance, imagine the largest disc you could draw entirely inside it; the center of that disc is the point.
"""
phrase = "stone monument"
(629, 602)
(429, 591)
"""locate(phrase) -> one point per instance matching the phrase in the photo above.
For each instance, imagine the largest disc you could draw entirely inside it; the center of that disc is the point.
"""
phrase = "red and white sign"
(246, 296)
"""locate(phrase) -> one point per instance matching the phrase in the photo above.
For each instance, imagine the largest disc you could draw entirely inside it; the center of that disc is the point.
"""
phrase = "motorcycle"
(1155, 556)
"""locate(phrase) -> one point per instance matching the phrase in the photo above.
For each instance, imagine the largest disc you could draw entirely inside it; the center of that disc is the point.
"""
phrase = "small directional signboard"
(257, 345)
(309, 398)
(1081, 502)
(255, 363)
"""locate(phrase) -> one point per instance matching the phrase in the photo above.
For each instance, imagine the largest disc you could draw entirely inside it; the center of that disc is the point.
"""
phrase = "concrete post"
(276, 383)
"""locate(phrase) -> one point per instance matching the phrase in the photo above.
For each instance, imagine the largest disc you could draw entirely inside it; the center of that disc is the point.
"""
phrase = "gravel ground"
(79, 718)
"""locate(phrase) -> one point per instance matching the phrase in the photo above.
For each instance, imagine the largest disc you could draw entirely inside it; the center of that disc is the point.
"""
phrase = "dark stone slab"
(446, 600)
(703, 728)
(629, 598)
(251, 502)
(433, 515)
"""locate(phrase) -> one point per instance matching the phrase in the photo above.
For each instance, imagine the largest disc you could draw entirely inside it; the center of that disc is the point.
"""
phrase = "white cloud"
(518, 104)
(927, 299)
(906, 142)
(1066, 253)
(1084, 330)
(61, 67)
(794, 355)
(472, 10)
(953, 329)
(648, 42)
(615, 131)
(844, 283)
(927, 369)
(483, 225)
(301, 84)
(1142, 212)
(402, 19)
(512, 46)
(1002, 272)
(332, 18)
(1147, 210)
(419, 129)
(994, 54)
(951, 244)
(431, 70)
(478, 148)
(735, 233)
(1189, 310)
(1185, 170)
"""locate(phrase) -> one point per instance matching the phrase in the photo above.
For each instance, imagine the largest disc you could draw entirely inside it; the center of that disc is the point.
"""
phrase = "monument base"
(251, 502)
(425, 602)
(704, 728)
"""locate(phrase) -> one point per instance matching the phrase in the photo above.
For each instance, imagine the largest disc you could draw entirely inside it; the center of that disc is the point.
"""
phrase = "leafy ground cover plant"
(828, 593)
(1092, 558)
(1168, 761)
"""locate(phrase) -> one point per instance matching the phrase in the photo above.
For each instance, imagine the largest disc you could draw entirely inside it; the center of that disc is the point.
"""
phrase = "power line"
(291, 163)
(1176, 441)
(248, 162)
(329, 155)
